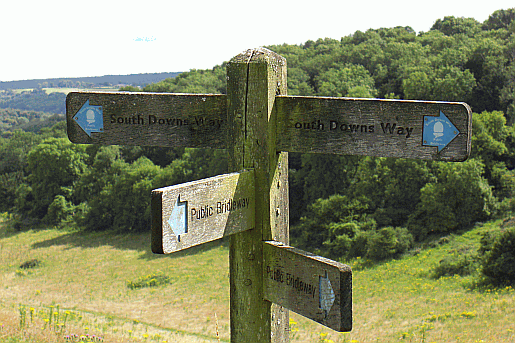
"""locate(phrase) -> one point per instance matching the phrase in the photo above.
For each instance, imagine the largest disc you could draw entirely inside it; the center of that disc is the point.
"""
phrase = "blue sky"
(54, 38)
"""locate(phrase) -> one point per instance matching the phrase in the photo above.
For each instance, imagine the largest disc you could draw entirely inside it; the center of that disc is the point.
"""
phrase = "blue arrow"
(325, 294)
(178, 220)
(438, 131)
(90, 118)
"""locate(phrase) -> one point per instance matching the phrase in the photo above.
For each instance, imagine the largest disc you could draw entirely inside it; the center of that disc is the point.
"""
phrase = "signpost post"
(259, 124)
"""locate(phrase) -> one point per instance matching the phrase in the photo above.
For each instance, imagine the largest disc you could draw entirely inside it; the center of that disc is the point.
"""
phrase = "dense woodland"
(14, 119)
(341, 206)
(34, 100)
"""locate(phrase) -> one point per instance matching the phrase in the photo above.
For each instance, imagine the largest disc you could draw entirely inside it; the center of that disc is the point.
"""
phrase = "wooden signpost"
(201, 211)
(149, 119)
(313, 286)
(258, 124)
(374, 127)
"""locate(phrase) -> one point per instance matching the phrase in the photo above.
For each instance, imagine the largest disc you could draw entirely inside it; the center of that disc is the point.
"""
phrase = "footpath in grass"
(115, 287)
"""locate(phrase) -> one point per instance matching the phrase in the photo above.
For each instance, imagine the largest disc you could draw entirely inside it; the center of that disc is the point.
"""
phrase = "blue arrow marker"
(90, 118)
(438, 131)
(326, 294)
(179, 218)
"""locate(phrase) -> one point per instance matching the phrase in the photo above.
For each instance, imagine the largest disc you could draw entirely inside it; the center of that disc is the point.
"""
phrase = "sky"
(63, 39)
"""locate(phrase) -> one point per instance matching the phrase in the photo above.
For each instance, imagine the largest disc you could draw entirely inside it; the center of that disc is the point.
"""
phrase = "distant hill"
(93, 81)
(35, 100)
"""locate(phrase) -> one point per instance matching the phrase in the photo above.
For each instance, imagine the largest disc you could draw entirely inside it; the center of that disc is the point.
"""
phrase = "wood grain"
(351, 126)
(255, 77)
(152, 119)
(215, 207)
(292, 279)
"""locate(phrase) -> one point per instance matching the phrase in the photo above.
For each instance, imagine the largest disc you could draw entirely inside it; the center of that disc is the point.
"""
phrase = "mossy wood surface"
(255, 77)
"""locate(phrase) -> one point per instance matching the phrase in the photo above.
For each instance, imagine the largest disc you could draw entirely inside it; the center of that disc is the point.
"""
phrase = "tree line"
(12, 119)
(34, 100)
(340, 206)
(91, 81)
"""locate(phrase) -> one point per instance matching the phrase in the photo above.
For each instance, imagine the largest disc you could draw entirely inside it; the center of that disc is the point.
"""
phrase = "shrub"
(30, 264)
(59, 210)
(341, 238)
(388, 242)
(461, 197)
(360, 244)
(329, 225)
(487, 241)
(455, 264)
(499, 258)
(151, 280)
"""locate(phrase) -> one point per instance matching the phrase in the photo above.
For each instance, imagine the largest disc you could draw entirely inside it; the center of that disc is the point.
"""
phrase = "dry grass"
(90, 272)
(37, 330)
(87, 273)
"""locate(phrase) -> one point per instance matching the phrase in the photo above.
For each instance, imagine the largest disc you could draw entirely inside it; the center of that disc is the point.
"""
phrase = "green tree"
(460, 197)
(452, 84)
(130, 89)
(488, 62)
(123, 205)
(194, 164)
(13, 162)
(195, 81)
(106, 167)
(493, 142)
(452, 26)
(14, 150)
(351, 79)
(330, 225)
(319, 176)
(417, 86)
(54, 166)
(391, 188)
(501, 19)
(447, 83)
(388, 242)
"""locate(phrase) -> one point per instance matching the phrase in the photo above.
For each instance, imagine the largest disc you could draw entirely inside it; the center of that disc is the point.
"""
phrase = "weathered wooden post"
(257, 122)
(254, 78)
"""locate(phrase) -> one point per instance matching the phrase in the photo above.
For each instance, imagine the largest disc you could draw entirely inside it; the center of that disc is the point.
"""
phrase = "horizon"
(96, 76)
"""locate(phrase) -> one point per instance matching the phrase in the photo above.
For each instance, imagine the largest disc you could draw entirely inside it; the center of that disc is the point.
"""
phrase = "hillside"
(91, 81)
(413, 230)
(49, 95)
(345, 206)
(12, 119)
(88, 276)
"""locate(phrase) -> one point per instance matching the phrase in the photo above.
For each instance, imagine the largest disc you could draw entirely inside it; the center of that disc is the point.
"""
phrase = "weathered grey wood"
(152, 119)
(360, 127)
(255, 77)
(214, 208)
(294, 279)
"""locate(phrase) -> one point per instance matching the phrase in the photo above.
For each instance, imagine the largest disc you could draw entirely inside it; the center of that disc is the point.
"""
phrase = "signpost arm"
(254, 78)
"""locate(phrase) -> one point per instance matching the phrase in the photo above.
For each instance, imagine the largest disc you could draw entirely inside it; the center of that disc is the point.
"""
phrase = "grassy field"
(84, 278)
